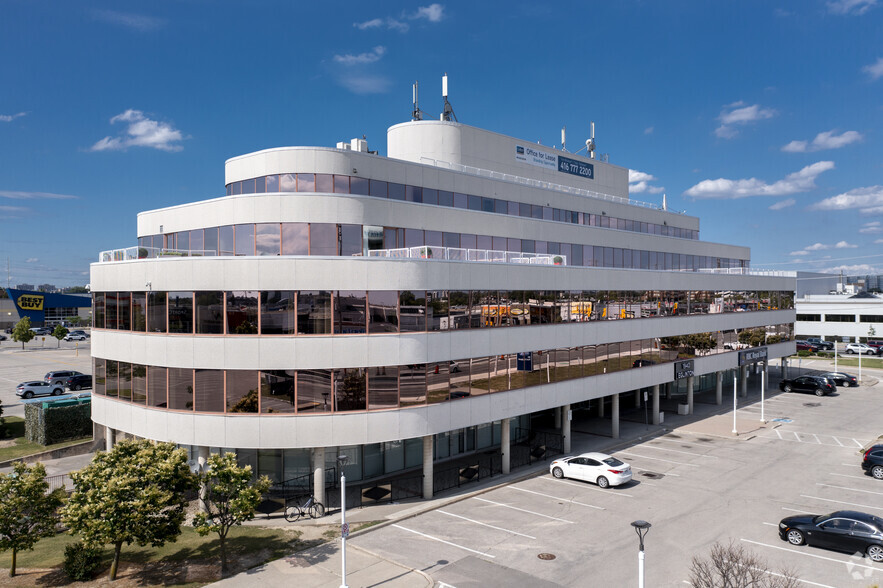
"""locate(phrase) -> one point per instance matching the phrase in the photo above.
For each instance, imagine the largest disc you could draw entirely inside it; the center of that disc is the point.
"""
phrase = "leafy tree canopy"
(22, 331)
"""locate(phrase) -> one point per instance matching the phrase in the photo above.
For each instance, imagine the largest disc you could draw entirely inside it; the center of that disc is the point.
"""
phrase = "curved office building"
(412, 308)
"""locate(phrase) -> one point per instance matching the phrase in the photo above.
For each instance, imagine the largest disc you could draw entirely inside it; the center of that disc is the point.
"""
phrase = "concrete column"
(601, 407)
(109, 438)
(668, 387)
(319, 474)
(202, 463)
(719, 388)
(743, 376)
(565, 426)
(656, 404)
(690, 395)
(614, 417)
(428, 479)
(557, 411)
(504, 444)
(638, 398)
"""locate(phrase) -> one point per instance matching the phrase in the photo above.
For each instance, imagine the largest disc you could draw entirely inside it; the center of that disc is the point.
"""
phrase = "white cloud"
(825, 140)
(869, 200)
(783, 204)
(640, 182)
(372, 56)
(801, 252)
(817, 247)
(32, 260)
(737, 114)
(648, 131)
(875, 70)
(11, 117)
(365, 84)
(800, 181)
(850, 6)
(141, 132)
(138, 22)
(871, 227)
(858, 269)
(844, 245)
(431, 13)
(33, 195)
(878, 241)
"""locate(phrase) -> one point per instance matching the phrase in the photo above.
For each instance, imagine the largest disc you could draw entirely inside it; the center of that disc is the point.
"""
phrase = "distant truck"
(822, 344)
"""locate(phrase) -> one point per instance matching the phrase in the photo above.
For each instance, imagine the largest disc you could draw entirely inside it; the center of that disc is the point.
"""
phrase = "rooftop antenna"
(590, 144)
(448, 113)
(564, 138)
(416, 114)
(664, 205)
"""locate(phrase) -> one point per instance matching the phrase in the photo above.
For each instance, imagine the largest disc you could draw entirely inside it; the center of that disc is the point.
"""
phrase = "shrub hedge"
(58, 422)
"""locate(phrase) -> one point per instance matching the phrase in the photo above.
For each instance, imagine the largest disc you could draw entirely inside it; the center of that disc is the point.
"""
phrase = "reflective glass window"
(323, 239)
(359, 186)
(182, 241)
(324, 183)
(341, 184)
(349, 312)
(414, 194)
(247, 186)
(432, 238)
(180, 312)
(209, 310)
(379, 188)
(242, 391)
(157, 395)
(412, 311)
(245, 239)
(349, 389)
(242, 312)
(412, 385)
(306, 182)
(295, 238)
(396, 191)
(156, 312)
(139, 383)
(273, 183)
(277, 391)
(98, 310)
(196, 240)
(314, 391)
(461, 200)
(383, 311)
(445, 198)
(209, 396)
(288, 183)
(383, 387)
(437, 382)
(267, 237)
(437, 310)
(113, 378)
(180, 388)
(99, 381)
(313, 312)
(110, 309)
(210, 240)
(225, 240)
(124, 311)
(278, 312)
(350, 240)
(430, 196)
(474, 202)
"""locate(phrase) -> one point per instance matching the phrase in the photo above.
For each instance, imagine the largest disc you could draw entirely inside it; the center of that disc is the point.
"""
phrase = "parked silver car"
(38, 388)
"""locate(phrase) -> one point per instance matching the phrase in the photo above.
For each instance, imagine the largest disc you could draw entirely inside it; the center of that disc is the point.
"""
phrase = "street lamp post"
(641, 528)
(344, 528)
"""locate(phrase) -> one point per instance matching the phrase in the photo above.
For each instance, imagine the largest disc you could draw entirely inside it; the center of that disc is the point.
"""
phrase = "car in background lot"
(41, 331)
(77, 383)
(2, 337)
(872, 462)
(861, 349)
(878, 345)
(806, 346)
(37, 388)
(59, 378)
(600, 468)
(75, 337)
(841, 379)
(844, 530)
(820, 344)
(815, 384)
(79, 332)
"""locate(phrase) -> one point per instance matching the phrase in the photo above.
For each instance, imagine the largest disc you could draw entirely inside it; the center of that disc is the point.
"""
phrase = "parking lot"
(694, 488)
(39, 357)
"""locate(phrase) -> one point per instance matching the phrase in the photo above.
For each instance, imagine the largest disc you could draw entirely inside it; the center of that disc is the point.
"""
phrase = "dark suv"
(873, 461)
(60, 377)
(77, 383)
(820, 344)
(815, 384)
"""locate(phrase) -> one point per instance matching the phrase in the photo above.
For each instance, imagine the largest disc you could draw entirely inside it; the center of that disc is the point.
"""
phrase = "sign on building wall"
(684, 369)
(549, 160)
(752, 355)
(30, 302)
(372, 238)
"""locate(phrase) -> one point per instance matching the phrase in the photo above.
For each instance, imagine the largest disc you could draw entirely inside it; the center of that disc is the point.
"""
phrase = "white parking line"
(772, 524)
(443, 541)
(795, 551)
(817, 438)
(848, 476)
(792, 509)
(450, 514)
(841, 502)
(692, 465)
(522, 510)
(857, 443)
(556, 497)
(585, 486)
(853, 489)
(678, 451)
(778, 433)
(784, 576)
(838, 441)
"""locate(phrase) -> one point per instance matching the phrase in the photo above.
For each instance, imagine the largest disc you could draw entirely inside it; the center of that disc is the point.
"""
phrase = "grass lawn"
(191, 560)
(22, 446)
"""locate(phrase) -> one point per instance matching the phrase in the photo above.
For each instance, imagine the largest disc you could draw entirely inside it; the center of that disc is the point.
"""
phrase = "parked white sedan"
(600, 468)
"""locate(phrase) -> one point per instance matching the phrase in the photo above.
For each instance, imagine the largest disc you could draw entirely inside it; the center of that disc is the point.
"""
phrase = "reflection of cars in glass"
(77, 383)
(872, 462)
(841, 378)
(600, 468)
(642, 362)
(844, 530)
(815, 384)
(36, 388)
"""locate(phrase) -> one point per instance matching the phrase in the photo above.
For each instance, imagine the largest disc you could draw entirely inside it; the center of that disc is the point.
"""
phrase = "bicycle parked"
(311, 507)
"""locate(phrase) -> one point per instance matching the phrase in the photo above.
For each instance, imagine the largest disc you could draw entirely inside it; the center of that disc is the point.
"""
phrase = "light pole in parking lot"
(344, 528)
(641, 528)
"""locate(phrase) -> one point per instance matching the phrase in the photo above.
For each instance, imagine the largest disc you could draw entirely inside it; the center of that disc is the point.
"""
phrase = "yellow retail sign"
(30, 302)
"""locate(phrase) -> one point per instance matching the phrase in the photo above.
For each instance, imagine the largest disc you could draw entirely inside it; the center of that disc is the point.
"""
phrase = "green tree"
(60, 333)
(700, 342)
(229, 497)
(135, 493)
(22, 331)
(27, 509)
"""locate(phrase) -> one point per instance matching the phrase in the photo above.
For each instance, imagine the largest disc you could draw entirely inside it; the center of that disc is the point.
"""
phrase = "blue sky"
(762, 118)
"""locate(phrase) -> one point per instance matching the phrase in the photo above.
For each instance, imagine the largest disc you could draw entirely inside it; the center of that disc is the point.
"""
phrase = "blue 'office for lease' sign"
(577, 168)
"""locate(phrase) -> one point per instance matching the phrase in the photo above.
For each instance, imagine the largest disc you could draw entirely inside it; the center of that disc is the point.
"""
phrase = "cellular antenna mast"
(564, 138)
(416, 114)
(448, 113)
(590, 144)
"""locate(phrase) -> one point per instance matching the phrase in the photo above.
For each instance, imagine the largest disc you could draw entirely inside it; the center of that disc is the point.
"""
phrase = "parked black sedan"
(843, 530)
(872, 462)
(841, 379)
(815, 384)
